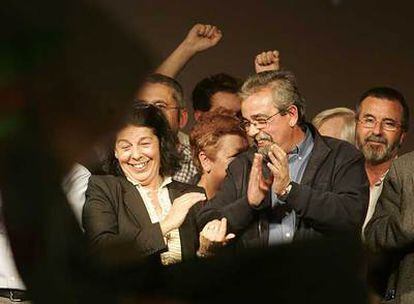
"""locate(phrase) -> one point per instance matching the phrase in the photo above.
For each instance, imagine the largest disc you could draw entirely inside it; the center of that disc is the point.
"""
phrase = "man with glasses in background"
(295, 184)
(167, 94)
(382, 124)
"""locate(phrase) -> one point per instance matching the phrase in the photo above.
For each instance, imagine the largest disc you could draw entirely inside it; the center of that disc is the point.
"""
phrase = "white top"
(173, 255)
(9, 277)
(374, 194)
(74, 185)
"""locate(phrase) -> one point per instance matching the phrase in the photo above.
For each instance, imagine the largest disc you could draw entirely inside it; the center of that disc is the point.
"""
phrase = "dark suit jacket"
(391, 228)
(331, 198)
(115, 215)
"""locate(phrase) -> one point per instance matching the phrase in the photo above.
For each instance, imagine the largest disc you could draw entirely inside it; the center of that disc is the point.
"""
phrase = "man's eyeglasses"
(260, 123)
(159, 104)
(164, 107)
(386, 124)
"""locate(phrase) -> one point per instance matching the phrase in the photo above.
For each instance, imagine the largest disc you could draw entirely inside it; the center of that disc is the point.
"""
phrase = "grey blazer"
(391, 228)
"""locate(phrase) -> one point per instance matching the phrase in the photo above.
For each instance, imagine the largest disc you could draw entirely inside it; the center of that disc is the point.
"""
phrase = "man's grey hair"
(285, 92)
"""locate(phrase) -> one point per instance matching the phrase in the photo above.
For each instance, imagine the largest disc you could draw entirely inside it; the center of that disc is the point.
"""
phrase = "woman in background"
(336, 122)
(215, 141)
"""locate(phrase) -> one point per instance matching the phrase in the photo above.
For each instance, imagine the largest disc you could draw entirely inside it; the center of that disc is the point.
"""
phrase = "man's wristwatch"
(285, 192)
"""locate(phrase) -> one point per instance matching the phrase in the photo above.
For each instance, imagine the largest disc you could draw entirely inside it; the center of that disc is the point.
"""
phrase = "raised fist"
(267, 61)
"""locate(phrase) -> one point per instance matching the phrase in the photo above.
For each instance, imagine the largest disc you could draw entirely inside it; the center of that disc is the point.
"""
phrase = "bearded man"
(382, 125)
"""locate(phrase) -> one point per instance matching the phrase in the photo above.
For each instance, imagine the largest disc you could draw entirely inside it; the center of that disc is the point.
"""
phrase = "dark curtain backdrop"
(337, 48)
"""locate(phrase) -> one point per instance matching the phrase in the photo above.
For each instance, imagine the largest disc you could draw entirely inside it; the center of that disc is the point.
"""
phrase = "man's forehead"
(258, 104)
(156, 92)
(381, 107)
(227, 100)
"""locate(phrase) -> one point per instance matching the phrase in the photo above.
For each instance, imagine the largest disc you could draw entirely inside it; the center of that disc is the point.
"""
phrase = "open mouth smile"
(140, 165)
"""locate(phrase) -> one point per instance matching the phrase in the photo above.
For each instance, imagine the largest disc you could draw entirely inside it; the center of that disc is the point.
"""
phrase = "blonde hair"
(348, 115)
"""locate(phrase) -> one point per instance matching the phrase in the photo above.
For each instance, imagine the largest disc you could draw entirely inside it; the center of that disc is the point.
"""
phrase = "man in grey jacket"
(391, 228)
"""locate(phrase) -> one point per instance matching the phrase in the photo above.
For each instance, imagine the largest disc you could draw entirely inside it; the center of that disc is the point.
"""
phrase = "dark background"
(336, 48)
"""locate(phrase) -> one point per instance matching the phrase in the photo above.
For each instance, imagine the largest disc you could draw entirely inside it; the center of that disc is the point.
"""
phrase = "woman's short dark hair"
(146, 115)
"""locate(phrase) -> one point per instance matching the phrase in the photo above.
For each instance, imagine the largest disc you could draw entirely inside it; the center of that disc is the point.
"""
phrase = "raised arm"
(200, 38)
(267, 61)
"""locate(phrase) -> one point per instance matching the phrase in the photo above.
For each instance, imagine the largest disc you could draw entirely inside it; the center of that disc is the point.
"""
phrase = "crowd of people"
(252, 173)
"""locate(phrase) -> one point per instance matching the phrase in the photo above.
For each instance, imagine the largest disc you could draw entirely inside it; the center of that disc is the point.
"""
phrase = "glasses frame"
(145, 104)
(366, 123)
(246, 124)
(167, 108)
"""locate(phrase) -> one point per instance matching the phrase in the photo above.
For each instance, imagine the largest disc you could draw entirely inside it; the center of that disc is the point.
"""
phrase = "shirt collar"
(304, 146)
(167, 180)
(381, 180)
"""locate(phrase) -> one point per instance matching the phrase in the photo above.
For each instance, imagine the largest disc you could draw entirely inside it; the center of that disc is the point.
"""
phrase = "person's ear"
(402, 138)
(197, 114)
(116, 154)
(293, 115)
(205, 162)
(183, 118)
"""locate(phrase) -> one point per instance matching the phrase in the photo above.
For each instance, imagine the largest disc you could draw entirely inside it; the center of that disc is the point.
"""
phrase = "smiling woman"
(139, 204)
(144, 129)
(138, 153)
(215, 140)
(139, 208)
